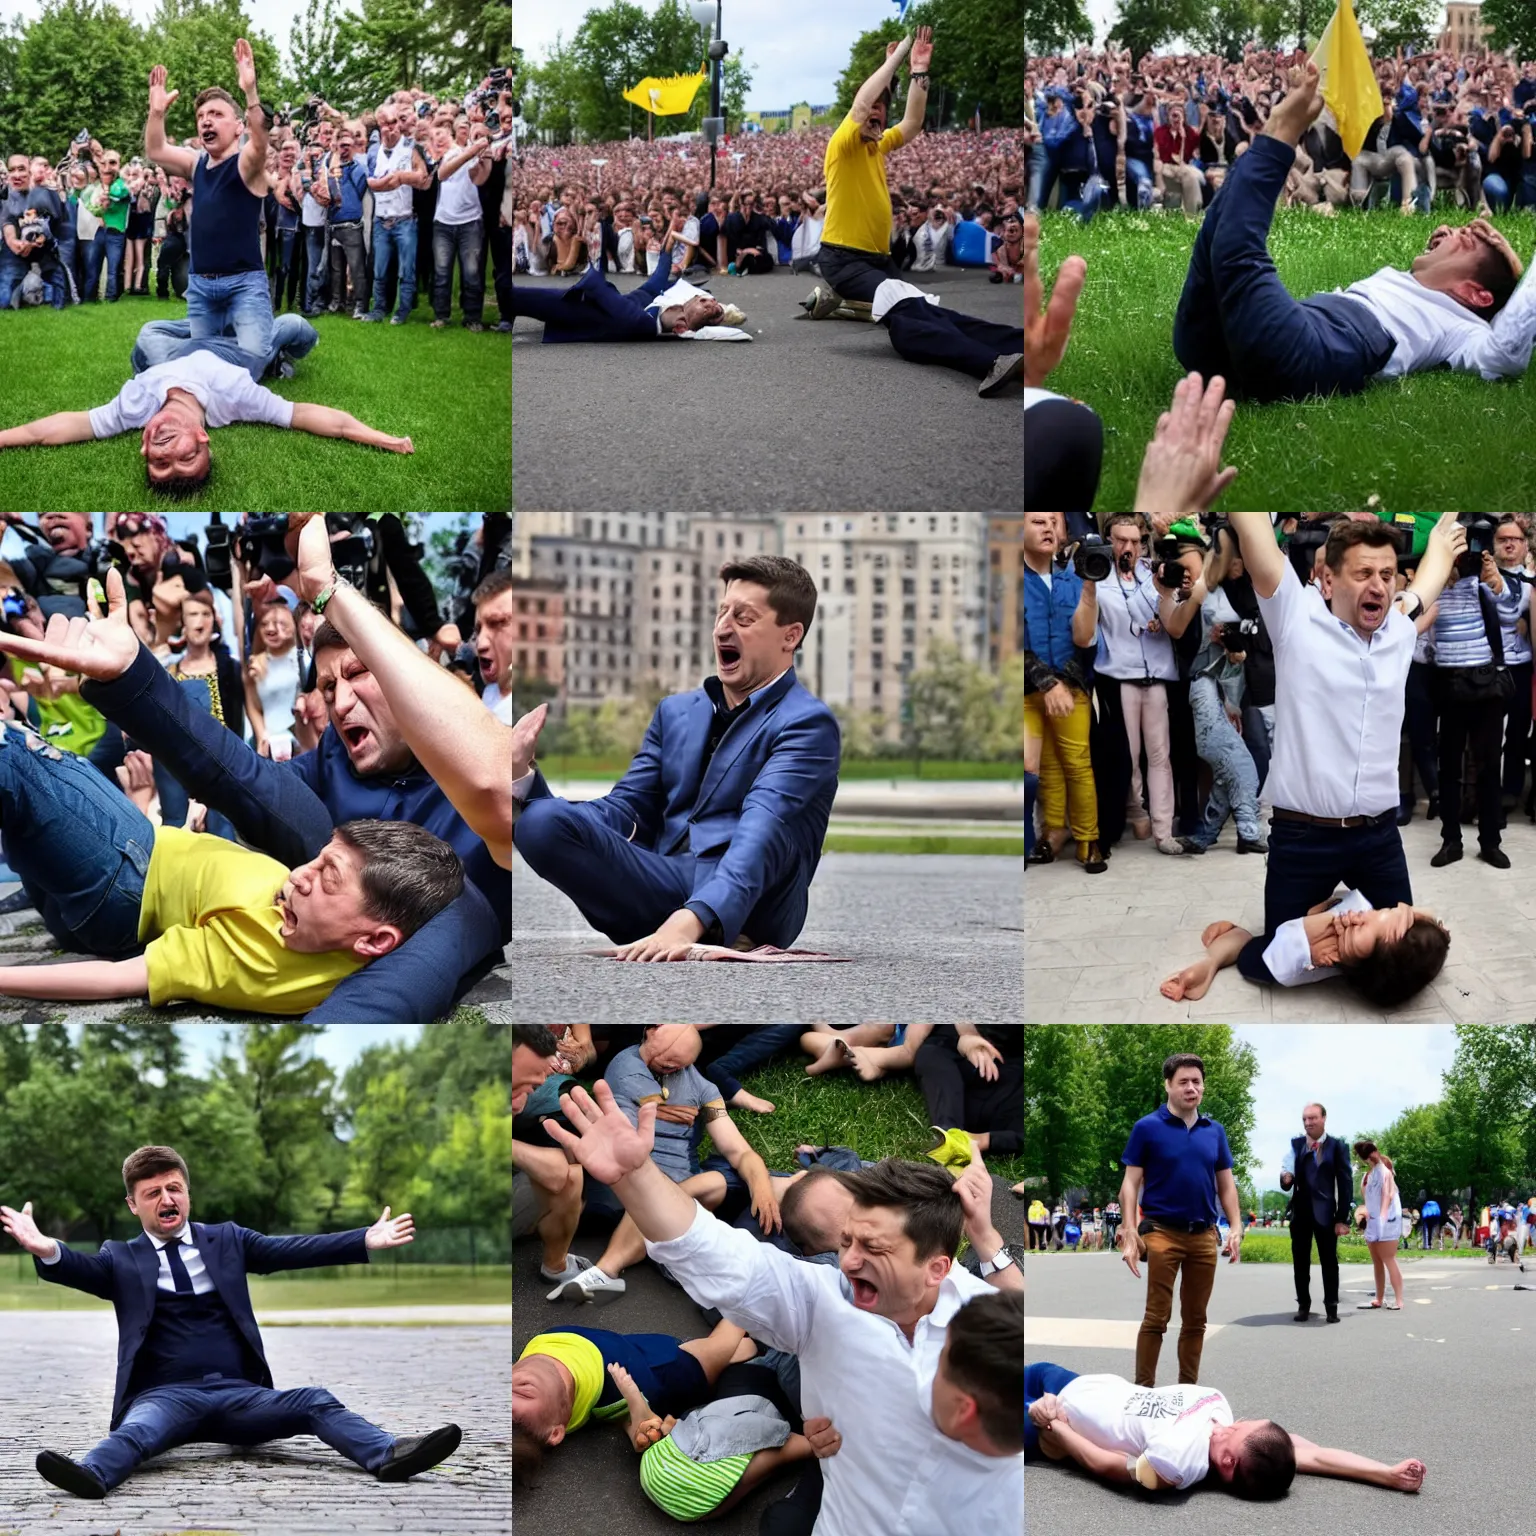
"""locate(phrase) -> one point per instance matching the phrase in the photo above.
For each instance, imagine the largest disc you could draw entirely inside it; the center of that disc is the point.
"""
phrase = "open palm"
(102, 648)
(604, 1143)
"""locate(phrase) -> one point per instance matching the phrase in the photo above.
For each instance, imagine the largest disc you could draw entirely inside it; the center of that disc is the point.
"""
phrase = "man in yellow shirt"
(856, 240)
(186, 916)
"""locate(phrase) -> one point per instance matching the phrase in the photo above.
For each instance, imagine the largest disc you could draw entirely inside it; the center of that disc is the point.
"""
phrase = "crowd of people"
(265, 770)
(1108, 130)
(359, 214)
(786, 1264)
(766, 208)
(1177, 677)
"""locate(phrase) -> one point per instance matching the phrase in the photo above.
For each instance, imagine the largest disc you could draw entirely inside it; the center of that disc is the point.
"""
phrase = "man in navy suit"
(1321, 1196)
(594, 310)
(715, 831)
(190, 1363)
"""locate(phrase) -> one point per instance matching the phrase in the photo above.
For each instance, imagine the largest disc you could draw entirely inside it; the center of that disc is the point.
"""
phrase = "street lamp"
(707, 14)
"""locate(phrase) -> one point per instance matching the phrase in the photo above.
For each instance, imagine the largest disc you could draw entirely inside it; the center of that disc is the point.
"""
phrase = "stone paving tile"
(1097, 947)
(56, 1374)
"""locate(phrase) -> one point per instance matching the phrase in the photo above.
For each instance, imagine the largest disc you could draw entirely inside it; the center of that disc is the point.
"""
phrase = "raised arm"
(158, 150)
(253, 154)
(1446, 541)
(61, 427)
(1085, 617)
(471, 151)
(1263, 558)
(917, 86)
(326, 421)
(879, 82)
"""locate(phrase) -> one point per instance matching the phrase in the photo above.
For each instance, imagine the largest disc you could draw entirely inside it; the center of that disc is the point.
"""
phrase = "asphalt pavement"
(1442, 1380)
(925, 936)
(808, 417)
(592, 1482)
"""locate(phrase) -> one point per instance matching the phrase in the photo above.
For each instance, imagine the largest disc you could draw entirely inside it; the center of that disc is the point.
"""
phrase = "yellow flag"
(666, 98)
(1348, 83)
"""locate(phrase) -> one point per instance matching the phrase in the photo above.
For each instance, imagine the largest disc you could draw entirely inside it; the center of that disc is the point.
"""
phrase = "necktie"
(1317, 1152)
(179, 1275)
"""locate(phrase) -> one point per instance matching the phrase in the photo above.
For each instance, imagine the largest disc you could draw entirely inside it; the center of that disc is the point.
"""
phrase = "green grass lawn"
(856, 842)
(885, 1119)
(387, 1285)
(1437, 441)
(449, 391)
(894, 770)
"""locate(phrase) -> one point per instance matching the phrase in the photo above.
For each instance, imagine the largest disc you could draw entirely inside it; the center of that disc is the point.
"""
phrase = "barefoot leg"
(715, 1351)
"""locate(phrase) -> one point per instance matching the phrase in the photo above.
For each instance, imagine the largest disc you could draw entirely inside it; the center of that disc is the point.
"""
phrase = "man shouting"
(190, 1363)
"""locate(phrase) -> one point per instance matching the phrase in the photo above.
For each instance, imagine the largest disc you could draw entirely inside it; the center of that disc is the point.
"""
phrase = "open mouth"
(355, 736)
(864, 1294)
(170, 1215)
(209, 135)
(730, 655)
(1371, 610)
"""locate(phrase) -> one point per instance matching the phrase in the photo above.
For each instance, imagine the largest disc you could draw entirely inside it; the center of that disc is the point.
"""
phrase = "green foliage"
(389, 45)
(1225, 26)
(1274, 1247)
(1146, 25)
(1396, 23)
(467, 1180)
(195, 40)
(318, 61)
(1056, 26)
(960, 710)
(1514, 26)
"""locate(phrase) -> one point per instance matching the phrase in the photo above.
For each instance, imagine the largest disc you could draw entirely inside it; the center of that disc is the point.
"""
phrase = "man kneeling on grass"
(1176, 1436)
(188, 916)
(1387, 954)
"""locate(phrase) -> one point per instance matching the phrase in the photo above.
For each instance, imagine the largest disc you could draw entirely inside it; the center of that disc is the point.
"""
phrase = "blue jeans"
(241, 301)
(13, 269)
(1496, 190)
(79, 846)
(232, 1413)
(162, 341)
(1234, 779)
(1039, 169)
(1086, 203)
(107, 246)
(1527, 197)
(1237, 319)
(1040, 1378)
(757, 1043)
(1139, 187)
(314, 280)
(467, 241)
(400, 239)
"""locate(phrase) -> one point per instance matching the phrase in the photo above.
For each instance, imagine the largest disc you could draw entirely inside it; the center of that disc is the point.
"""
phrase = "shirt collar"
(716, 692)
(175, 1237)
(1172, 1119)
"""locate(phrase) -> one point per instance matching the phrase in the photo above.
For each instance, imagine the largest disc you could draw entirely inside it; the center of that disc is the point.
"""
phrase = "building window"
(935, 587)
(874, 688)
(879, 586)
(848, 586)
(877, 660)
(543, 661)
(908, 587)
(877, 637)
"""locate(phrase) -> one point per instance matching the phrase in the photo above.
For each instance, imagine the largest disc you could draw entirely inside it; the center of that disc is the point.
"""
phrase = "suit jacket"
(1322, 1196)
(125, 1275)
(756, 815)
(594, 310)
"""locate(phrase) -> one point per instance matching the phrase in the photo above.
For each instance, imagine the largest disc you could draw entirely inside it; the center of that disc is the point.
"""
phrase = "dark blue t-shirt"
(45, 202)
(670, 1379)
(1179, 1165)
(226, 218)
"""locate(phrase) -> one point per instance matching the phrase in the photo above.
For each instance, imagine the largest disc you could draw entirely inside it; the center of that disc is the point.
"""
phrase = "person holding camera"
(1132, 670)
(340, 189)
(106, 197)
(458, 232)
(1472, 688)
(29, 217)
(313, 216)
(1454, 154)
(396, 168)
(1061, 614)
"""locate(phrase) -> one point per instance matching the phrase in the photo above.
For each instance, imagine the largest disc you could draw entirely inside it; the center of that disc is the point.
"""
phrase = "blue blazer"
(125, 1274)
(594, 310)
(754, 819)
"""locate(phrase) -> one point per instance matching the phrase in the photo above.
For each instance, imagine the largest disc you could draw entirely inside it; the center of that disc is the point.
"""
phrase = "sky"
(340, 1045)
(274, 17)
(1364, 1075)
(796, 49)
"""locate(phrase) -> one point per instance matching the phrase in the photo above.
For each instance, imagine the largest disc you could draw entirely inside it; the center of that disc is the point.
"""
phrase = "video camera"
(1167, 569)
(261, 546)
(1235, 635)
(1302, 547)
(1480, 528)
(1091, 558)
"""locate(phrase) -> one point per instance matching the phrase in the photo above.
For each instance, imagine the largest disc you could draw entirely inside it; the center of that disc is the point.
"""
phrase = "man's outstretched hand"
(385, 1233)
(1047, 327)
(102, 648)
(604, 1142)
(922, 51)
(671, 941)
(1181, 474)
(23, 1229)
(525, 739)
(159, 98)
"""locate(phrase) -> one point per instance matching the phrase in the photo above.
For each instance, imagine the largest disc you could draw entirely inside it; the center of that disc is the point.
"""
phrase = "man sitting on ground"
(1458, 304)
(1175, 1436)
(716, 830)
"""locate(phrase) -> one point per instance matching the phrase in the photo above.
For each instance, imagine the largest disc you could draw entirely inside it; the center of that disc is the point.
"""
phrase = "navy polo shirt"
(1179, 1164)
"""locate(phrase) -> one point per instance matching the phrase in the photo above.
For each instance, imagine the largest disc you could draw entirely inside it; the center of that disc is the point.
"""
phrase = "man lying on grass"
(1461, 303)
(1387, 954)
(186, 916)
(176, 404)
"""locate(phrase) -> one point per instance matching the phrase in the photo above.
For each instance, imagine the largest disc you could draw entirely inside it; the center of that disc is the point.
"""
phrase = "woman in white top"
(1383, 1224)
(528, 242)
(274, 676)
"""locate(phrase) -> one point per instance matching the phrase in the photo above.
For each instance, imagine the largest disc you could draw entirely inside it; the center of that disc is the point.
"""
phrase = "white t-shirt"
(1338, 705)
(1171, 1426)
(931, 241)
(1289, 955)
(458, 198)
(227, 394)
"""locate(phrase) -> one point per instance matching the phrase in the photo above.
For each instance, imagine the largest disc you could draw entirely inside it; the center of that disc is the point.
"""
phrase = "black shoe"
(1449, 854)
(1333, 1314)
(1302, 1316)
(415, 1453)
(1405, 813)
(70, 1476)
(17, 901)
(1258, 845)
(1189, 845)
(1043, 854)
(1494, 856)
(1432, 811)
(1092, 859)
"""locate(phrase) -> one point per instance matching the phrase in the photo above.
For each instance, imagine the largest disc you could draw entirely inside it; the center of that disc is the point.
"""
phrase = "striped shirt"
(1459, 637)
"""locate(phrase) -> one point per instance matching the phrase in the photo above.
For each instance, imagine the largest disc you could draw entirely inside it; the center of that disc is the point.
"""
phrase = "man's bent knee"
(544, 826)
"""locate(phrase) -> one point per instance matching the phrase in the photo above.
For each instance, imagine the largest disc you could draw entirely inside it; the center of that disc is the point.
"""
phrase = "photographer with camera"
(396, 167)
(1511, 548)
(30, 218)
(1229, 578)
(1472, 688)
(458, 226)
(1132, 670)
(1061, 615)
(1453, 151)
(174, 261)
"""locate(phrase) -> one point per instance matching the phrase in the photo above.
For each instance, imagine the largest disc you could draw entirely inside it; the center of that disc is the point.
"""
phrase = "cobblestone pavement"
(56, 1393)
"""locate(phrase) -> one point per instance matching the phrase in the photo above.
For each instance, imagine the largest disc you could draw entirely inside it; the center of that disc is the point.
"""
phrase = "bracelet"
(319, 604)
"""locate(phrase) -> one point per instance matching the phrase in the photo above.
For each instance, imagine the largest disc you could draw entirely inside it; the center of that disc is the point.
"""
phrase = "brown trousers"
(1165, 1252)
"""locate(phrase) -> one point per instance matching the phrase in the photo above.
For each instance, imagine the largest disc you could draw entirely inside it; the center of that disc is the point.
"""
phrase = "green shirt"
(109, 205)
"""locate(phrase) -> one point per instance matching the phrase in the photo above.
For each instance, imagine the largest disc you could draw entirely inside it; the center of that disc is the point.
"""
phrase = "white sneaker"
(1170, 845)
(587, 1287)
(574, 1264)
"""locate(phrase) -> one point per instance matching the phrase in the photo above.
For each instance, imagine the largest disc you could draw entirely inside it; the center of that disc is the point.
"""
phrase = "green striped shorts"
(687, 1489)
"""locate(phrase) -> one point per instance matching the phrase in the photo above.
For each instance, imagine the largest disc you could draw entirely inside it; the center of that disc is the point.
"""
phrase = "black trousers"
(795, 1515)
(959, 1098)
(1185, 759)
(1481, 725)
(1517, 731)
(928, 333)
(1419, 718)
(1110, 751)
(1302, 1235)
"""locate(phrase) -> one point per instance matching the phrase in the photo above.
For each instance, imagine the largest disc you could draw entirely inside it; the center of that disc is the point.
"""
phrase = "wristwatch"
(999, 1260)
(319, 604)
(1413, 604)
(267, 115)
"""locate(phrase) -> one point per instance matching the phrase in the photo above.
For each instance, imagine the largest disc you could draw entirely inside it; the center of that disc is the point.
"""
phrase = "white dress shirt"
(1338, 705)
(895, 1474)
(197, 1271)
(1431, 328)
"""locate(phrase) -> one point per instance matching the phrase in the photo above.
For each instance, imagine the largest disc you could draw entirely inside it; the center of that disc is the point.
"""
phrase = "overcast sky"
(340, 1045)
(796, 49)
(1364, 1075)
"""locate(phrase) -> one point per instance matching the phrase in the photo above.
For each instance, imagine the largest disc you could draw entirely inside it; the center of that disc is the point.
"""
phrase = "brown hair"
(409, 875)
(527, 1456)
(1266, 1465)
(797, 1225)
(986, 1360)
(791, 588)
(180, 487)
(1492, 269)
(1394, 972)
(148, 1161)
(493, 586)
(931, 1213)
(216, 93)
(1183, 1059)
(1344, 536)
(1365, 1150)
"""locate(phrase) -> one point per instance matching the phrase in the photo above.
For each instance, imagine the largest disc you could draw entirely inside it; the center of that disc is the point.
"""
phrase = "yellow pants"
(1066, 770)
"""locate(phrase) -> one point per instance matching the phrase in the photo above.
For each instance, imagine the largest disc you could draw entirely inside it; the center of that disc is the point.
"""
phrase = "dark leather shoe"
(70, 1476)
(1449, 854)
(1432, 810)
(1494, 856)
(1302, 1316)
(1405, 813)
(1258, 845)
(1333, 1314)
(415, 1453)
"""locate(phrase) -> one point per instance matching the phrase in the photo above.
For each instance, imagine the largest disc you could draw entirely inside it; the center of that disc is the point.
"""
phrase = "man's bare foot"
(1190, 984)
(1408, 1476)
(837, 1054)
(1018, 1188)
(745, 1100)
(1299, 108)
(1214, 931)
(1051, 1447)
(864, 1063)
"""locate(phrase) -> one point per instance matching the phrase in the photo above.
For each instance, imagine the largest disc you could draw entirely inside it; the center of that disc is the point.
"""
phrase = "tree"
(195, 40)
(959, 710)
(476, 36)
(1489, 1107)
(1396, 23)
(1146, 25)
(1061, 1089)
(1225, 26)
(1055, 26)
(386, 1148)
(52, 1044)
(390, 45)
(1420, 1153)
(319, 64)
(549, 94)
(612, 53)
(468, 1177)
(1513, 24)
